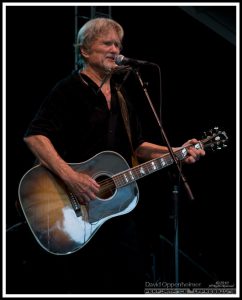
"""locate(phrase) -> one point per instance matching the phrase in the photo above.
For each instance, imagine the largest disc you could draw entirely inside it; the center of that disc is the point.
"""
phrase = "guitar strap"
(125, 115)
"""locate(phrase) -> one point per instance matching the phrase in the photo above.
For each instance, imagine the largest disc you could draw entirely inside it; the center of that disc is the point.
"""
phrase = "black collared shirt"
(76, 119)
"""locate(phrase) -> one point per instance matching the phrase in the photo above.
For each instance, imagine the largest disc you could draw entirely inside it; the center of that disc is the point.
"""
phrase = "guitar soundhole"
(107, 187)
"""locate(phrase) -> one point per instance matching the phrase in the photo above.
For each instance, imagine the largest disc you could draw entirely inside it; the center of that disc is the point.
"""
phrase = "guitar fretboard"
(142, 170)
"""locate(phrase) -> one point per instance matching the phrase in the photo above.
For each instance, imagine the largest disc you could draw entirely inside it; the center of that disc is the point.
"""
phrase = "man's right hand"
(83, 187)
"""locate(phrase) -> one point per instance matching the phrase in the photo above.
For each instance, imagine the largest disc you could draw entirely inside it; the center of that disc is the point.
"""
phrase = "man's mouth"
(110, 57)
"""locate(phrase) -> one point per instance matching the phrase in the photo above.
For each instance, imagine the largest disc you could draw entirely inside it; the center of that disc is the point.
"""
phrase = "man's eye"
(108, 43)
(115, 43)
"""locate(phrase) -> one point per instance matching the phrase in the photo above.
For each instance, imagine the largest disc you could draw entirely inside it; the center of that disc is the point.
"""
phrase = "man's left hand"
(193, 153)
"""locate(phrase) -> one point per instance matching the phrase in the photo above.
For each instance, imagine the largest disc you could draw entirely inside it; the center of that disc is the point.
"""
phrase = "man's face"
(103, 51)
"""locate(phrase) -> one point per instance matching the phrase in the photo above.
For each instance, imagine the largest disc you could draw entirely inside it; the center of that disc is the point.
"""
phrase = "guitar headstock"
(215, 139)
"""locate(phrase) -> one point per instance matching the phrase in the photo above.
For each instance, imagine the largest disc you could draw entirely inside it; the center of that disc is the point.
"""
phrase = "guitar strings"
(120, 179)
(117, 180)
(135, 173)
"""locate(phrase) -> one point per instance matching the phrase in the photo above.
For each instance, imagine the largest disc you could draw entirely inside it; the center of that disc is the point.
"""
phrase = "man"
(80, 118)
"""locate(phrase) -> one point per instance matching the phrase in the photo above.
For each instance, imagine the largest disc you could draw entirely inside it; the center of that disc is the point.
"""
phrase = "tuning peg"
(215, 139)
(212, 132)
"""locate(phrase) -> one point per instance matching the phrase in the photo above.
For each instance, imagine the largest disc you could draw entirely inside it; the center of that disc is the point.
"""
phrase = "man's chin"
(110, 66)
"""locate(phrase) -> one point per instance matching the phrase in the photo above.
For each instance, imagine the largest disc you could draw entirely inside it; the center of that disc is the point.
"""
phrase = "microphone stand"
(175, 192)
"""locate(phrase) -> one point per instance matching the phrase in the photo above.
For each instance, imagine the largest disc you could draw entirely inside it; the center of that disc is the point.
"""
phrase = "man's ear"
(84, 52)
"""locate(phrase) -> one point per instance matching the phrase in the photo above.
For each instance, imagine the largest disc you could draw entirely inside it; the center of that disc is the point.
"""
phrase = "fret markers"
(142, 171)
(162, 161)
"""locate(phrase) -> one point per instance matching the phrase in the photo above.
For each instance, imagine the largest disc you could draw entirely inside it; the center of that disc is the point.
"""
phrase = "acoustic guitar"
(60, 224)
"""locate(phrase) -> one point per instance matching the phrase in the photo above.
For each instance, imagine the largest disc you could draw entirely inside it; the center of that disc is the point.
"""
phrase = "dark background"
(198, 75)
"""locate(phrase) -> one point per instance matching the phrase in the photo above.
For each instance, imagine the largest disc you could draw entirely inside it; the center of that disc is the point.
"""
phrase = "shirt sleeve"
(49, 119)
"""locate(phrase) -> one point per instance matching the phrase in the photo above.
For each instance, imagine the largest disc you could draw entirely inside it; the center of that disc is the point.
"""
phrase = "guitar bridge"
(75, 204)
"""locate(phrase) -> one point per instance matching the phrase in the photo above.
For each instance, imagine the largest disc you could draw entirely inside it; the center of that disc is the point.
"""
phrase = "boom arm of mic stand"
(187, 187)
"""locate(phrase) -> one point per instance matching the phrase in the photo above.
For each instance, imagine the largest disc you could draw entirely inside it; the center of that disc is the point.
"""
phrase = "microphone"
(121, 60)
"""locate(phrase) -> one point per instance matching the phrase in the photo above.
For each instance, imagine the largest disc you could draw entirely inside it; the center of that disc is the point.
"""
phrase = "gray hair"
(94, 28)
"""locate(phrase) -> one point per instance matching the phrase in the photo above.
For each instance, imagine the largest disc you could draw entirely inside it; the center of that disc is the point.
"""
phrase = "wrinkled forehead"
(109, 34)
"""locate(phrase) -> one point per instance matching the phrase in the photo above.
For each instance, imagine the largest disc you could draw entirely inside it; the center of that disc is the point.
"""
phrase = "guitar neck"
(128, 176)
